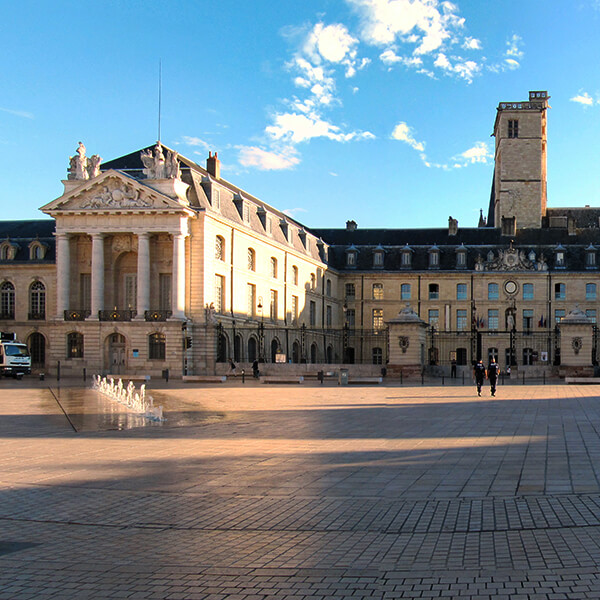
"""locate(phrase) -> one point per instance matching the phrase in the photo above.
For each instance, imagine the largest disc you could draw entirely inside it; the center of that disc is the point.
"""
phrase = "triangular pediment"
(109, 191)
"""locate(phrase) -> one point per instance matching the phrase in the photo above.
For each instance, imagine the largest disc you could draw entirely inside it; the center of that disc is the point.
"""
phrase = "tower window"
(513, 128)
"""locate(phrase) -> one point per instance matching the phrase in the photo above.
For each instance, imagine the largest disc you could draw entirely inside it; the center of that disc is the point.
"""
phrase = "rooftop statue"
(156, 167)
(81, 167)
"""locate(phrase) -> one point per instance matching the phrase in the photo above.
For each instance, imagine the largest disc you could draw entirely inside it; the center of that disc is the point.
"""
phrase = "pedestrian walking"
(479, 374)
(453, 368)
(232, 367)
(493, 376)
(255, 371)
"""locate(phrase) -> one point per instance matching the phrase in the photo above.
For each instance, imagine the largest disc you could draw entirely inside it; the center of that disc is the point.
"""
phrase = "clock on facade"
(510, 287)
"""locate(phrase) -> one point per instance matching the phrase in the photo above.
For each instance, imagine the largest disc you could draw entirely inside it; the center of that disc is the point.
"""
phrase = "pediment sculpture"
(157, 167)
(116, 194)
(81, 167)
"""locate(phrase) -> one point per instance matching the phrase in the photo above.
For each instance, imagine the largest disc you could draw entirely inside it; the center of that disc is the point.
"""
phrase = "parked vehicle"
(15, 360)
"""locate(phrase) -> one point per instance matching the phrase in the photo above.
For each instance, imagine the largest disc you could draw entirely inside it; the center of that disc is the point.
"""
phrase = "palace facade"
(152, 262)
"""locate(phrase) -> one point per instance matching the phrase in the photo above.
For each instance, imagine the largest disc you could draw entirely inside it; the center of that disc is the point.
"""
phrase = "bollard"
(422, 379)
(84, 373)
(463, 378)
(42, 376)
(443, 380)
(167, 375)
(503, 378)
(58, 371)
(544, 374)
(523, 377)
(400, 377)
(243, 376)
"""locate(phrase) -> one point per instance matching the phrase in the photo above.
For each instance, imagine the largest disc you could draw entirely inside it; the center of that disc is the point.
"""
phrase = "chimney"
(350, 225)
(213, 165)
(452, 226)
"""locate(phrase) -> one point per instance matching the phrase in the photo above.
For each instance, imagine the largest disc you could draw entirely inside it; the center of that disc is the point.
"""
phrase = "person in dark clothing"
(453, 368)
(493, 376)
(479, 374)
(255, 371)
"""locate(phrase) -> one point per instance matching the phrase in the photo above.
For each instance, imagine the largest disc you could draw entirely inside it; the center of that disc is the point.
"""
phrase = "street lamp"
(261, 332)
(345, 334)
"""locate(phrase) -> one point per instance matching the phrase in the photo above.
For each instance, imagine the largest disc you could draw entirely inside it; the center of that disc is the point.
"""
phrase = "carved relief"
(116, 194)
(121, 243)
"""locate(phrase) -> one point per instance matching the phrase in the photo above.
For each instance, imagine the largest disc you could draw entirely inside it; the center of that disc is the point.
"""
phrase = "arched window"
(37, 300)
(156, 346)
(220, 248)
(313, 353)
(252, 349)
(251, 259)
(237, 348)
(7, 300)
(74, 345)
(295, 275)
(37, 250)
(296, 352)
(377, 356)
(273, 267)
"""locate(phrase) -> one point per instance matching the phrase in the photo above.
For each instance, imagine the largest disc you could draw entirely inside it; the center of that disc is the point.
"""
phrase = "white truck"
(15, 359)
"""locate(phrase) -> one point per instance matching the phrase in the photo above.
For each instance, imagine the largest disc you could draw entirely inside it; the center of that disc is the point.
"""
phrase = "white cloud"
(291, 212)
(513, 52)
(471, 44)
(479, 153)
(583, 98)
(330, 42)
(465, 69)
(195, 141)
(295, 128)
(403, 133)
(253, 156)
(18, 113)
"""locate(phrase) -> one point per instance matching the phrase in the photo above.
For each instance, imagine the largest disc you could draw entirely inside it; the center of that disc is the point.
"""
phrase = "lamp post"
(261, 332)
(345, 334)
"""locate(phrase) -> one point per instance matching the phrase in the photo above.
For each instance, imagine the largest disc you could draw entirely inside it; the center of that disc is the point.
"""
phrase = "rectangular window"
(85, 291)
(405, 291)
(406, 259)
(590, 291)
(294, 310)
(559, 315)
(528, 291)
(164, 291)
(560, 291)
(273, 306)
(433, 316)
(560, 259)
(328, 316)
(590, 313)
(513, 128)
(434, 291)
(461, 259)
(461, 320)
(493, 318)
(378, 318)
(461, 291)
(219, 293)
(216, 198)
(312, 313)
(493, 291)
(527, 320)
(590, 259)
(351, 259)
(350, 317)
(378, 291)
(434, 259)
(246, 213)
(251, 299)
(130, 286)
(350, 291)
(378, 259)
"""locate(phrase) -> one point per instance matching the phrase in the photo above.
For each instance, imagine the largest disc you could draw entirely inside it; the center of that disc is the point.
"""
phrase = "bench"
(204, 379)
(129, 377)
(315, 374)
(282, 379)
(365, 380)
(588, 380)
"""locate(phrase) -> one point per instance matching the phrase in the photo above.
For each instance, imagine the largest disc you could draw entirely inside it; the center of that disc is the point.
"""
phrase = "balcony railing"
(157, 315)
(7, 316)
(76, 315)
(36, 316)
(116, 315)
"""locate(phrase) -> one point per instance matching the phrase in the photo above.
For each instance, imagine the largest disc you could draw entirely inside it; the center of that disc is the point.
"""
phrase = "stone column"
(408, 339)
(63, 274)
(97, 275)
(576, 343)
(143, 275)
(178, 276)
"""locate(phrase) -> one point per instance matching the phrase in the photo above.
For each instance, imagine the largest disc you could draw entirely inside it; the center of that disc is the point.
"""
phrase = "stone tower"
(519, 189)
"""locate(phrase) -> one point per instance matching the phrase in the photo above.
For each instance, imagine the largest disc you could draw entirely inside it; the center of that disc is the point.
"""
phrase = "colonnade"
(63, 274)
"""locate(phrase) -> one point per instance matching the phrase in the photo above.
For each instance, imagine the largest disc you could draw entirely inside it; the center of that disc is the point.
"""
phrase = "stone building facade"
(152, 262)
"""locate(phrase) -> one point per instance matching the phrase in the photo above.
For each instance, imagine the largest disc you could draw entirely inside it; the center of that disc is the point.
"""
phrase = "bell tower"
(519, 187)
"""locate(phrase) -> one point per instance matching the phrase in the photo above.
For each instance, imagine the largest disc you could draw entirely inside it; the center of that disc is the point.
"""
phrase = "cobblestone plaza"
(287, 492)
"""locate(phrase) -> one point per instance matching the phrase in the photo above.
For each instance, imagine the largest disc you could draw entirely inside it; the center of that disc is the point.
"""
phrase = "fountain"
(138, 402)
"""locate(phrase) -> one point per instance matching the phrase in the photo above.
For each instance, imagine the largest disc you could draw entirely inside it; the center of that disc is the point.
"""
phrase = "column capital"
(98, 235)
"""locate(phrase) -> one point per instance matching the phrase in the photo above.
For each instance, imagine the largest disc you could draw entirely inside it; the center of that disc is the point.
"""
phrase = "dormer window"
(434, 257)
(378, 256)
(246, 212)
(461, 257)
(590, 257)
(406, 257)
(559, 257)
(303, 237)
(8, 250)
(285, 228)
(216, 198)
(351, 256)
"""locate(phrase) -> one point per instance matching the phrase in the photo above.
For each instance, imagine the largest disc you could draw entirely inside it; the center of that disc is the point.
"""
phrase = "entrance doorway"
(117, 355)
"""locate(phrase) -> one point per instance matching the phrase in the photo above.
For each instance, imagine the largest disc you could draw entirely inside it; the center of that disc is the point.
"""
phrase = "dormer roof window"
(285, 228)
(434, 257)
(406, 257)
(559, 257)
(378, 257)
(590, 257)
(8, 250)
(351, 256)
(461, 257)
(37, 250)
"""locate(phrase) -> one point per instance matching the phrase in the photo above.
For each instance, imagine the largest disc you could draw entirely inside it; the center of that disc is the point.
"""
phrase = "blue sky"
(374, 110)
